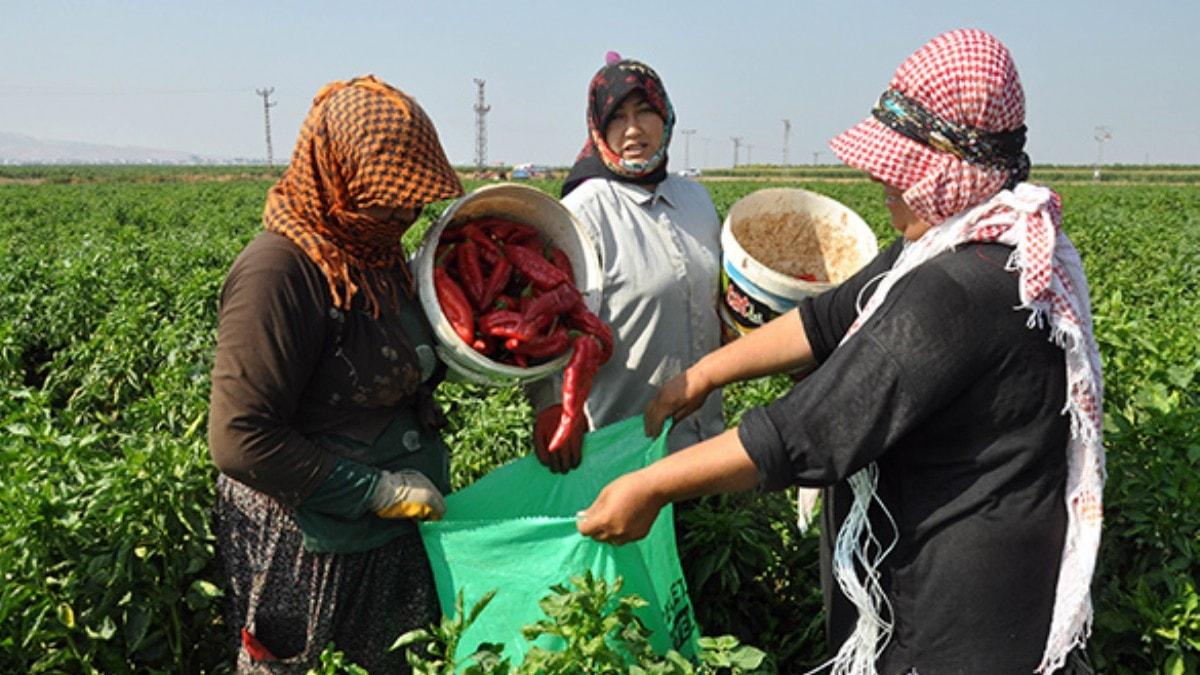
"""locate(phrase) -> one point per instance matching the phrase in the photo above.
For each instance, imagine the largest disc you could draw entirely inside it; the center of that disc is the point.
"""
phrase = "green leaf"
(412, 637)
(137, 620)
(747, 657)
(202, 593)
(105, 632)
(480, 605)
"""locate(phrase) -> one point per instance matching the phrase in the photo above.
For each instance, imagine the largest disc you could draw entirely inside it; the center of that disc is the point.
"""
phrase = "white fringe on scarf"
(1052, 288)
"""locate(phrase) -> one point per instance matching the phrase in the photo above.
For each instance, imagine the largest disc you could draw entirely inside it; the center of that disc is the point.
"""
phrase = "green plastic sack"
(514, 531)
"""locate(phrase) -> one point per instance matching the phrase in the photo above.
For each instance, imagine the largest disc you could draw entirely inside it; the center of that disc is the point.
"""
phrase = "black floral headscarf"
(611, 85)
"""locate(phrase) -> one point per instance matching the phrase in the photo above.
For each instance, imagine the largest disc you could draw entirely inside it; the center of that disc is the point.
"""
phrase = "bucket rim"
(775, 281)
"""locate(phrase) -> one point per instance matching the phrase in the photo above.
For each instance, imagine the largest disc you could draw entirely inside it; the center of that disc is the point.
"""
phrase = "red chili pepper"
(526, 331)
(577, 383)
(496, 281)
(490, 257)
(545, 346)
(479, 237)
(455, 305)
(582, 319)
(507, 323)
(553, 302)
(540, 272)
(497, 318)
(521, 233)
(561, 261)
(507, 230)
(450, 234)
(470, 273)
(498, 228)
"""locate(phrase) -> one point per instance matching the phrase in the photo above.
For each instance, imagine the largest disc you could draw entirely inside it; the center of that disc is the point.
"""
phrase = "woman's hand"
(568, 456)
(681, 396)
(627, 507)
(624, 511)
(407, 494)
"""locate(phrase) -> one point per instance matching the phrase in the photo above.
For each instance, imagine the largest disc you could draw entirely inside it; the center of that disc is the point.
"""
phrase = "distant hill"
(22, 149)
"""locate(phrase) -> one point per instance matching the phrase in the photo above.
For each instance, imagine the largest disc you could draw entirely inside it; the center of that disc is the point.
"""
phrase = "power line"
(737, 144)
(40, 90)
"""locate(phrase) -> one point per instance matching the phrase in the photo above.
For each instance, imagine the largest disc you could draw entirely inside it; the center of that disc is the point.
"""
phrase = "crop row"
(108, 297)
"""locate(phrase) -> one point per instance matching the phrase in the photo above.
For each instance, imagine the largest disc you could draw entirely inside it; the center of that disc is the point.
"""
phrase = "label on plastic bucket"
(745, 305)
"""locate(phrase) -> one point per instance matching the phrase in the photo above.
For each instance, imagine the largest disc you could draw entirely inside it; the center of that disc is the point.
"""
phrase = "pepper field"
(108, 296)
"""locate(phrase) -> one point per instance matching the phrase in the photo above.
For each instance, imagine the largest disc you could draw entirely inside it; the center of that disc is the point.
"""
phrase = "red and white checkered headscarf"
(968, 78)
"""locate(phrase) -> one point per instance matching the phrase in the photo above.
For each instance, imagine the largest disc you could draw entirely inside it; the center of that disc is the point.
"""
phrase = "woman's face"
(635, 129)
(903, 219)
(397, 216)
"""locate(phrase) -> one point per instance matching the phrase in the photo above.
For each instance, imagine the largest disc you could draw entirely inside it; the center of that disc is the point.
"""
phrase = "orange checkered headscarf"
(363, 144)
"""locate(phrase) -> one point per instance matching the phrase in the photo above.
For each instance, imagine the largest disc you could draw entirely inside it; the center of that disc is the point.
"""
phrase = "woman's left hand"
(623, 512)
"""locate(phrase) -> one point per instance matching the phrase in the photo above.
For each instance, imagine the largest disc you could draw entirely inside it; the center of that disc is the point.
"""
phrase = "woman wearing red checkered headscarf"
(953, 419)
(322, 418)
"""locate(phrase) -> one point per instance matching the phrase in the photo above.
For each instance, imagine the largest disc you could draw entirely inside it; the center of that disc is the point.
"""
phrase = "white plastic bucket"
(523, 204)
(772, 235)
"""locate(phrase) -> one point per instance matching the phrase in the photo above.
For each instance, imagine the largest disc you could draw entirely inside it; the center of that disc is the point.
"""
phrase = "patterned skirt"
(295, 602)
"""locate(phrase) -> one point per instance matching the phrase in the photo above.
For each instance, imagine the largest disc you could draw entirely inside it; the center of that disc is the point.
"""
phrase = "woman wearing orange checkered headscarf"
(365, 144)
(322, 419)
(953, 417)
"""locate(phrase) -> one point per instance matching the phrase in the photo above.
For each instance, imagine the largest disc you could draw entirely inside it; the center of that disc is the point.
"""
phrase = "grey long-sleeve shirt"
(660, 253)
(959, 404)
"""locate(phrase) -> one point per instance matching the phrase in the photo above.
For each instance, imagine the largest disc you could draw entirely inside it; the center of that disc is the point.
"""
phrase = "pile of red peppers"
(511, 296)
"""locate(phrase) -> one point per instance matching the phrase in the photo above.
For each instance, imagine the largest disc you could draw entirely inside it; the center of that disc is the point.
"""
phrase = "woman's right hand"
(681, 396)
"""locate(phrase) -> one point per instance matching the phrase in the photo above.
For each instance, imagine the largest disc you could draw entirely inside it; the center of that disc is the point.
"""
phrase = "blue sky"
(182, 75)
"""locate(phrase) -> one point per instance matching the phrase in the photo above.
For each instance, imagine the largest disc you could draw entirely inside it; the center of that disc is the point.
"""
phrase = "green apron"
(404, 444)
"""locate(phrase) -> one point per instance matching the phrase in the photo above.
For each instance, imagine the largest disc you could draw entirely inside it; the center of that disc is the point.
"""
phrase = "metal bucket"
(555, 223)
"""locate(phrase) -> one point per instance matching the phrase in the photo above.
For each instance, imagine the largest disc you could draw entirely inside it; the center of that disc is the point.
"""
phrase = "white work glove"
(407, 494)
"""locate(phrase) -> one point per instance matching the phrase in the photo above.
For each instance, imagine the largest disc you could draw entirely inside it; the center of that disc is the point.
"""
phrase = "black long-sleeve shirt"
(960, 405)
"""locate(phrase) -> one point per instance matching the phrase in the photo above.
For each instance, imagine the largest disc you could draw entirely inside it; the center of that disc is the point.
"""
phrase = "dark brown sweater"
(290, 367)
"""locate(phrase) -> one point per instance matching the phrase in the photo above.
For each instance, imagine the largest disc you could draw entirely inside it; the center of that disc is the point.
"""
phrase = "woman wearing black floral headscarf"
(657, 236)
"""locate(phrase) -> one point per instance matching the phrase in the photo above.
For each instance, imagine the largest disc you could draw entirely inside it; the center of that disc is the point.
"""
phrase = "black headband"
(999, 150)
